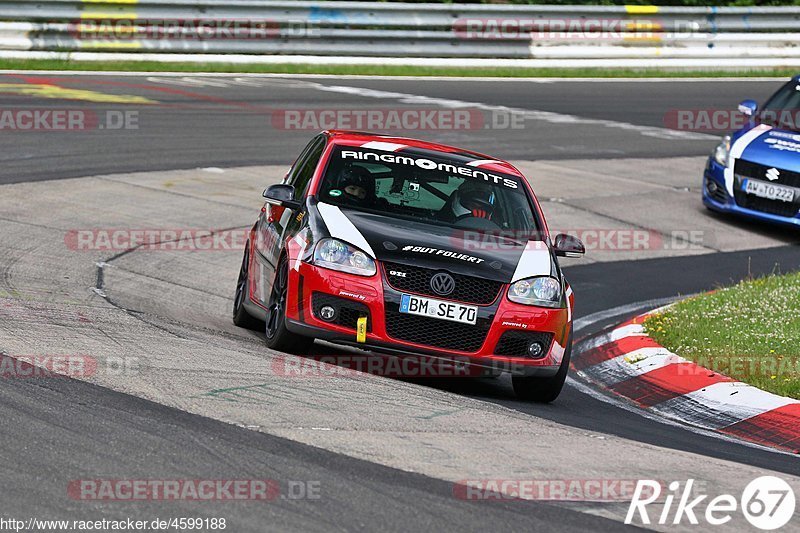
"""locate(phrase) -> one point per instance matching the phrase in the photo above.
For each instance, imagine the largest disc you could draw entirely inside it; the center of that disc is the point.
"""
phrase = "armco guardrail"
(356, 29)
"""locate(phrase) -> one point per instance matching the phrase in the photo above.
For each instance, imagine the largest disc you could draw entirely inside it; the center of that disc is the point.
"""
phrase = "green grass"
(375, 70)
(750, 332)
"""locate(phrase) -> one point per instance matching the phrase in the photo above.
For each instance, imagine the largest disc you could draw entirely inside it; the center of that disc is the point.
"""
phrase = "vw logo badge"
(443, 284)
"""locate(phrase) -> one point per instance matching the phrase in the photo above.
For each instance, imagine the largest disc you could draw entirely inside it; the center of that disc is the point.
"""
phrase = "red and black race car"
(410, 247)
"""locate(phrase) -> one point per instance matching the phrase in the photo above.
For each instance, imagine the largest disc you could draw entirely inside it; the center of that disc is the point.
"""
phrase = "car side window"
(299, 162)
(301, 179)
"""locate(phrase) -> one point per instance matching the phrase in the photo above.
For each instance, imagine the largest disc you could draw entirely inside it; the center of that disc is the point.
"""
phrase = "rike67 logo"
(767, 502)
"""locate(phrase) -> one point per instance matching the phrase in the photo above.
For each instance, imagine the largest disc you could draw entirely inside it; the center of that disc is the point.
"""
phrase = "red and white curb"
(627, 362)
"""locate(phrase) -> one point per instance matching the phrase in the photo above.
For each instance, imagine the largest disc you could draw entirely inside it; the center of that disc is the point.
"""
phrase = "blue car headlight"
(337, 255)
(723, 151)
(542, 291)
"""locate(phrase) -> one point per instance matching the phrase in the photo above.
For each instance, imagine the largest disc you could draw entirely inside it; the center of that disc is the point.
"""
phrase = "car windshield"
(429, 189)
(783, 108)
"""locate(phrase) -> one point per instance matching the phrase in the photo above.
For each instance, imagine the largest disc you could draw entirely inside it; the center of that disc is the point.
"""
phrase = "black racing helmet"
(474, 198)
(355, 177)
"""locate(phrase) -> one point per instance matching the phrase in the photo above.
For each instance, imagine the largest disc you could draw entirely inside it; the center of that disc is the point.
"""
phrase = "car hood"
(773, 147)
(432, 246)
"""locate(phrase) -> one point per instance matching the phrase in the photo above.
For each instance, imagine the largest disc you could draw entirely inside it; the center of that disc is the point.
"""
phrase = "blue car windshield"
(783, 108)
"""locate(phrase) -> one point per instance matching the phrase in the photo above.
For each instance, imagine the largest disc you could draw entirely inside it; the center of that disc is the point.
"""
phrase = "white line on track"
(447, 103)
(113, 73)
(532, 114)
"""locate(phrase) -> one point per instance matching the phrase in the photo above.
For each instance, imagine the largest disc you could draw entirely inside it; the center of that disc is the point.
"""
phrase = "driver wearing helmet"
(472, 199)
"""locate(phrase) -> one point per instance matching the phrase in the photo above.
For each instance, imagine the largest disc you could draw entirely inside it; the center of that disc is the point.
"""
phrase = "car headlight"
(338, 255)
(723, 151)
(543, 291)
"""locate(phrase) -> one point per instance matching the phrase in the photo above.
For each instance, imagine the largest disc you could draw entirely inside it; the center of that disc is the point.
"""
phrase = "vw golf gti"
(409, 247)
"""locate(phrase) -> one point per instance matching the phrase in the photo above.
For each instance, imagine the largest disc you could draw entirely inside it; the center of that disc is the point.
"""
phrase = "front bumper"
(376, 298)
(716, 197)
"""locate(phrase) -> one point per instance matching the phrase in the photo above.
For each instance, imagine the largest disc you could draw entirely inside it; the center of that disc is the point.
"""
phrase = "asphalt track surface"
(59, 430)
(205, 121)
(68, 428)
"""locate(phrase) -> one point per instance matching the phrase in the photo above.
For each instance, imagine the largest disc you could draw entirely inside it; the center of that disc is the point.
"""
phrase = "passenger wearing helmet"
(354, 186)
(471, 199)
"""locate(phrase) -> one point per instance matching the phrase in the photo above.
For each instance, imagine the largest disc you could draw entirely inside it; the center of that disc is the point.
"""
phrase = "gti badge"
(443, 284)
(773, 174)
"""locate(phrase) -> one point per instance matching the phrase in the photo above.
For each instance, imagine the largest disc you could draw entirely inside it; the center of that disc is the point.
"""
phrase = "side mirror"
(568, 246)
(281, 195)
(748, 108)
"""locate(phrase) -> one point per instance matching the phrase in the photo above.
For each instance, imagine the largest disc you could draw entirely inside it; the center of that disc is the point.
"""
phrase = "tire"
(241, 317)
(543, 390)
(278, 337)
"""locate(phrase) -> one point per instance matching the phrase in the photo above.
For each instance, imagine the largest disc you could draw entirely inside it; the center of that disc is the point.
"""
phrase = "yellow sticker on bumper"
(361, 329)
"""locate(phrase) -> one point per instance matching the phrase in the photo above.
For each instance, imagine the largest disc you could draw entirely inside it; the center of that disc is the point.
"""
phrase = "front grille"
(716, 191)
(765, 205)
(515, 343)
(417, 280)
(347, 311)
(436, 333)
(748, 169)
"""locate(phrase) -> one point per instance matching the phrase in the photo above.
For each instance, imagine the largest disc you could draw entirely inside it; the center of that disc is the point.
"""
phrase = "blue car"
(755, 172)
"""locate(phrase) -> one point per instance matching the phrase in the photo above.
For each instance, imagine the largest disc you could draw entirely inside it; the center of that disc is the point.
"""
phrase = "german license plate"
(762, 189)
(417, 305)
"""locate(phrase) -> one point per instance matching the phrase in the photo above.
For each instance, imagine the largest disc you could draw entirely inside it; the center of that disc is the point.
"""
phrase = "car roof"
(419, 148)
